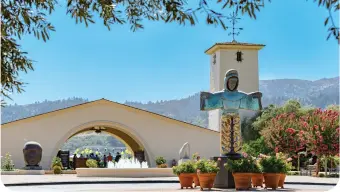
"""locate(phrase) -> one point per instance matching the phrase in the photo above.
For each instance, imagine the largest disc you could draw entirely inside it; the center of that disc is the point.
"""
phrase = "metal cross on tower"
(236, 30)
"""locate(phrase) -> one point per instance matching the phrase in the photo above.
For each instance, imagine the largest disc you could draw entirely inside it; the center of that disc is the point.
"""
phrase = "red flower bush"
(282, 134)
(321, 132)
(318, 131)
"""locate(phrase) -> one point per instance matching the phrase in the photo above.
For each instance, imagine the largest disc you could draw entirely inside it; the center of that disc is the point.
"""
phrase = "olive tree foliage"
(29, 17)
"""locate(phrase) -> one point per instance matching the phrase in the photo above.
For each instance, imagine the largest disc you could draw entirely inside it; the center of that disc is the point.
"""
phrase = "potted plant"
(91, 163)
(272, 167)
(195, 157)
(57, 166)
(242, 171)
(287, 167)
(185, 172)
(161, 162)
(7, 163)
(206, 171)
(257, 176)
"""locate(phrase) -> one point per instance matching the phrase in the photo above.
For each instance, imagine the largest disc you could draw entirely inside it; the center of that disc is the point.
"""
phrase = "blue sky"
(167, 61)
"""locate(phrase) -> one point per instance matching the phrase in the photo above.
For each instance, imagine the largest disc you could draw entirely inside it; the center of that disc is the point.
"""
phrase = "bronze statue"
(32, 155)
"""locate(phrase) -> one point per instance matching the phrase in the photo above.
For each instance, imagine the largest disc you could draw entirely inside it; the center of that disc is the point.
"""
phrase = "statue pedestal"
(182, 161)
(224, 179)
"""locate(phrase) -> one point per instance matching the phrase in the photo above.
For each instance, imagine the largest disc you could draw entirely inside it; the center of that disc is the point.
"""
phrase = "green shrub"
(185, 167)
(257, 147)
(101, 164)
(293, 173)
(91, 163)
(57, 169)
(243, 165)
(321, 175)
(272, 165)
(56, 161)
(160, 160)
(207, 166)
(7, 163)
(333, 175)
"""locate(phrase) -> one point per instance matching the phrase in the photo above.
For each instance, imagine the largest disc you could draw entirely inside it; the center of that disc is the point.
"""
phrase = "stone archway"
(123, 133)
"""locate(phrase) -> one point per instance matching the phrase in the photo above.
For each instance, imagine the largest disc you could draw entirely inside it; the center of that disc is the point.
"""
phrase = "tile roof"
(235, 43)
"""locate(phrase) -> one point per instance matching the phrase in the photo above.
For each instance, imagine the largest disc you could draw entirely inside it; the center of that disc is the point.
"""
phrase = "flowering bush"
(282, 134)
(7, 163)
(320, 132)
(247, 164)
(185, 167)
(272, 164)
(207, 166)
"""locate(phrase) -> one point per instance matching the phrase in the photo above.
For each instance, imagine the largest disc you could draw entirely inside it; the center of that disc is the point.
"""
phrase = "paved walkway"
(73, 179)
(156, 187)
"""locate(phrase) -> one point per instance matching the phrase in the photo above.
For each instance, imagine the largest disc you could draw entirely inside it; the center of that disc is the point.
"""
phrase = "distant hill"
(320, 93)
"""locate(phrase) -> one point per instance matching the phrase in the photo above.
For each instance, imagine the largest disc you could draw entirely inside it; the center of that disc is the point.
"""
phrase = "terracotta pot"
(242, 180)
(271, 180)
(186, 179)
(257, 179)
(206, 180)
(196, 180)
(282, 180)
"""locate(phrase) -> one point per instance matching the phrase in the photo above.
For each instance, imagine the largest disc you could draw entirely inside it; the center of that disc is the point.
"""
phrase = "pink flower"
(276, 149)
(289, 159)
(245, 155)
(290, 130)
(305, 124)
(219, 159)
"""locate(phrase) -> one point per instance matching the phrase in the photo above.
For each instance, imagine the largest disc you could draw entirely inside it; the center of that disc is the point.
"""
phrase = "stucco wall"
(159, 136)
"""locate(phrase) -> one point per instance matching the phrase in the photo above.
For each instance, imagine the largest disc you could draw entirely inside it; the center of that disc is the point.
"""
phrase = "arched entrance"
(131, 140)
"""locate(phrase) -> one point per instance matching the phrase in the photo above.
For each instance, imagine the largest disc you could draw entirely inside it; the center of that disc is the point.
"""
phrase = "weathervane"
(236, 30)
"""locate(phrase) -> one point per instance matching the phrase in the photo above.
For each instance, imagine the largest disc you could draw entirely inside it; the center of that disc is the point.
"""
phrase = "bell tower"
(233, 55)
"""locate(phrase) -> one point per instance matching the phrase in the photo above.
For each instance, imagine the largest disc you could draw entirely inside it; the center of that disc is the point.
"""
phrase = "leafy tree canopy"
(21, 17)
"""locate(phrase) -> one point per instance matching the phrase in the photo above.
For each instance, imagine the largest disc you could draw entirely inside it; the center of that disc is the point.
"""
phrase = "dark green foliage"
(243, 165)
(185, 167)
(272, 165)
(254, 148)
(248, 131)
(207, 166)
(160, 160)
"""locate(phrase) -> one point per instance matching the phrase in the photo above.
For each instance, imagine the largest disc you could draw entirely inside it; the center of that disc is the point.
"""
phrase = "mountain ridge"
(318, 93)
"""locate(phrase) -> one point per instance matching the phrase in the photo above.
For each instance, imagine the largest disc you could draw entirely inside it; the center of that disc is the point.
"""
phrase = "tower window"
(239, 56)
(214, 59)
